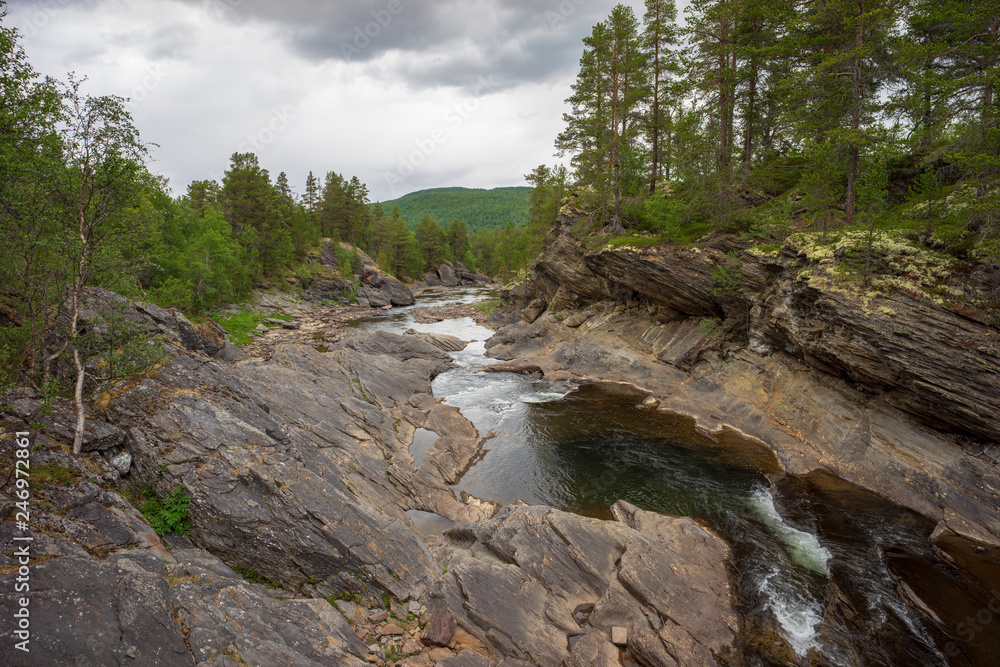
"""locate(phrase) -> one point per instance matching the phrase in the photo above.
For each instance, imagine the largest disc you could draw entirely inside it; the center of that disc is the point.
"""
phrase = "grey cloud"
(516, 40)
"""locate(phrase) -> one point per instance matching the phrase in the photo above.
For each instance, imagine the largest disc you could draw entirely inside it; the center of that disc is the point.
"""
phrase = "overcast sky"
(404, 94)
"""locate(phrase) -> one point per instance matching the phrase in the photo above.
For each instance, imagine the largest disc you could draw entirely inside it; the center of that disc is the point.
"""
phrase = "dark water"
(821, 569)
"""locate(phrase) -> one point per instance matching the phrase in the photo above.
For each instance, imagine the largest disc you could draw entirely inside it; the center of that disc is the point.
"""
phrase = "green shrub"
(727, 279)
(710, 326)
(169, 515)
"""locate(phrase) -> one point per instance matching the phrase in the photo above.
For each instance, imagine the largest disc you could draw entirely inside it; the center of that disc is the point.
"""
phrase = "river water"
(812, 577)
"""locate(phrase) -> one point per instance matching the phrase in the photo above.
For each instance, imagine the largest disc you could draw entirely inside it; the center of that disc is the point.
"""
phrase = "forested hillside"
(479, 209)
(81, 209)
(871, 127)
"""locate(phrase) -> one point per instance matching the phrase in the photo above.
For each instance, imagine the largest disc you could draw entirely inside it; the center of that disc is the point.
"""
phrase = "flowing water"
(812, 577)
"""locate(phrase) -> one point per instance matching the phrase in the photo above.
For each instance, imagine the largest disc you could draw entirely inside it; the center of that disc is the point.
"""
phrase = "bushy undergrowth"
(169, 515)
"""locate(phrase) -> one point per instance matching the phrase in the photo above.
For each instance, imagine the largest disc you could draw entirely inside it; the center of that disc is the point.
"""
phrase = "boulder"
(449, 278)
(440, 628)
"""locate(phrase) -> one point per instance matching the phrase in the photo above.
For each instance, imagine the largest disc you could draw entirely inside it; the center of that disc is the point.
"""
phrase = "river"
(812, 559)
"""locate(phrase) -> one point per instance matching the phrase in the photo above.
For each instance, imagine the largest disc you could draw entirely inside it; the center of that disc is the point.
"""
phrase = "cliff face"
(896, 393)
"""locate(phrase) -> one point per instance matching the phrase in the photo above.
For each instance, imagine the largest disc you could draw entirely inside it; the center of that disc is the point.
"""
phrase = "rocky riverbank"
(301, 549)
(894, 393)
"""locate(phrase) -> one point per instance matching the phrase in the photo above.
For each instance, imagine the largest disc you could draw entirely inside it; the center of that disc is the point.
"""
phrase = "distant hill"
(479, 209)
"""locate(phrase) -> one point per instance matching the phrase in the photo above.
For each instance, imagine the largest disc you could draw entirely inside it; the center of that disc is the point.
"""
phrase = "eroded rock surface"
(515, 581)
(897, 395)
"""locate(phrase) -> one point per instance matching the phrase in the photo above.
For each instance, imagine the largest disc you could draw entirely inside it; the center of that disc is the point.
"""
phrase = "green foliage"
(117, 348)
(240, 325)
(727, 279)
(254, 577)
(347, 260)
(489, 305)
(169, 515)
(53, 474)
(14, 342)
(479, 209)
(671, 218)
(200, 263)
(343, 595)
(710, 326)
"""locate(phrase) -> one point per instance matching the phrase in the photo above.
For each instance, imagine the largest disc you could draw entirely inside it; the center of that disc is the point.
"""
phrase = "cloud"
(449, 42)
(208, 78)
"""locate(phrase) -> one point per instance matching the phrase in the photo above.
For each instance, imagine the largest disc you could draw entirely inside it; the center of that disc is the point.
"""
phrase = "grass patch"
(240, 325)
(254, 577)
(345, 596)
(54, 474)
(489, 305)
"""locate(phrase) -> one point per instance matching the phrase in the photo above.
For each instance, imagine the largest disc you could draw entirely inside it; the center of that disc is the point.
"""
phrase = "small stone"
(346, 608)
(378, 616)
(391, 630)
(439, 654)
(122, 462)
(291, 325)
(361, 633)
(373, 659)
(619, 636)
(373, 648)
(261, 329)
(131, 652)
(413, 607)
(440, 628)
(410, 647)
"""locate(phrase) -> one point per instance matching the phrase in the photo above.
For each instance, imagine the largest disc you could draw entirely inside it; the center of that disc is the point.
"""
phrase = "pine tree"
(458, 240)
(848, 50)
(333, 207)
(311, 198)
(603, 127)
(432, 242)
(257, 213)
(760, 65)
(203, 195)
(659, 40)
(711, 31)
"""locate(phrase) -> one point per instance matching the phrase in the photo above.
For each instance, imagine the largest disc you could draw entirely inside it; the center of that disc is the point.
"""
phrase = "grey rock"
(534, 310)
(448, 276)
(122, 462)
(115, 604)
(440, 628)
(98, 435)
(542, 564)
(878, 399)
(467, 659)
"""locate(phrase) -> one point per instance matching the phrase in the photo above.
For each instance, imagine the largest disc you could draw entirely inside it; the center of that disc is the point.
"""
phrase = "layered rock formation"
(298, 472)
(896, 394)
